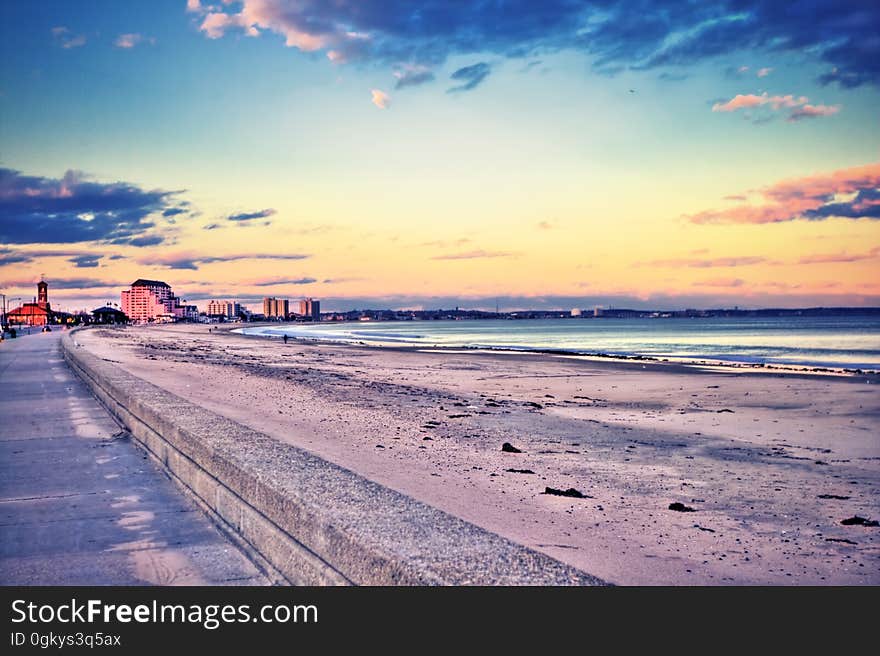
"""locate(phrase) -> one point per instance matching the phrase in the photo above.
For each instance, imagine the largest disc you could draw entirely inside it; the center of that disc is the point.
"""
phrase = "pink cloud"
(799, 105)
(810, 197)
(127, 41)
(764, 72)
(380, 99)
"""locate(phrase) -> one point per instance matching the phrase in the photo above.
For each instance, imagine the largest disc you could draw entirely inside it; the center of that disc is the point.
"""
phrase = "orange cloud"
(812, 197)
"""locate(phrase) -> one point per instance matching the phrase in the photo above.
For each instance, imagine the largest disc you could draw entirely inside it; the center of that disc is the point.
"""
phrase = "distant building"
(597, 311)
(108, 314)
(575, 312)
(228, 309)
(276, 308)
(310, 308)
(38, 313)
(152, 300)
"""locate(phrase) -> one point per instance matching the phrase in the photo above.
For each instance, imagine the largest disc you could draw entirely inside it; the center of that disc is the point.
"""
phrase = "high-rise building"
(310, 308)
(228, 309)
(151, 300)
(276, 308)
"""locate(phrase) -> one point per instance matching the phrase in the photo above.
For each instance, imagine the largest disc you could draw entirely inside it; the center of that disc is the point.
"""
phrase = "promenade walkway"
(80, 504)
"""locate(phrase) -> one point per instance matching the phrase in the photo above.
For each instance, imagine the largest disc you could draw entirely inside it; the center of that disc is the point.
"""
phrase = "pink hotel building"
(151, 300)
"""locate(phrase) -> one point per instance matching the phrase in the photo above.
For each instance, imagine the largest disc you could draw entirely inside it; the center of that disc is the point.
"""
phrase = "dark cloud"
(212, 226)
(86, 261)
(173, 211)
(470, 77)
(288, 281)
(617, 34)
(73, 209)
(251, 216)
(140, 242)
(865, 205)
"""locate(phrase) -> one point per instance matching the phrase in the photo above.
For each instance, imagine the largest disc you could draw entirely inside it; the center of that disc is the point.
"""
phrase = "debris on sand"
(859, 521)
(680, 507)
(570, 492)
(507, 447)
(724, 410)
(844, 540)
(833, 496)
(520, 471)
(703, 528)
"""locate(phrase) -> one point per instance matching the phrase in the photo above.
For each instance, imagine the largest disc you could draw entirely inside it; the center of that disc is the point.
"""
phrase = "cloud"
(63, 283)
(212, 226)
(764, 72)
(813, 111)
(840, 34)
(192, 262)
(251, 216)
(710, 262)
(546, 225)
(174, 211)
(284, 281)
(852, 193)
(412, 76)
(799, 106)
(720, 282)
(127, 41)
(470, 77)
(380, 99)
(473, 255)
(66, 39)
(73, 209)
(85, 261)
(830, 258)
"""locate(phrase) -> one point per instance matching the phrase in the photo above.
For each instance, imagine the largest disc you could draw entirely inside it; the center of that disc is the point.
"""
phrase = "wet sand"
(766, 464)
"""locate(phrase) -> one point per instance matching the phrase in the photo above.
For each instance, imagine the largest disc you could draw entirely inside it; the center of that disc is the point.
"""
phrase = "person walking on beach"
(285, 339)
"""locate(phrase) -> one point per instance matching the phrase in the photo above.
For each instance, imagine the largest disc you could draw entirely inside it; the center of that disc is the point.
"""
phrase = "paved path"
(80, 504)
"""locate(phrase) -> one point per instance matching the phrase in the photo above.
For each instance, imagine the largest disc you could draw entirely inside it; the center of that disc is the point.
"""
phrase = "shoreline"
(754, 367)
(770, 464)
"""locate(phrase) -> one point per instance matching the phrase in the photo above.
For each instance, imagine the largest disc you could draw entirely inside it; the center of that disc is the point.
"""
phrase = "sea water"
(844, 341)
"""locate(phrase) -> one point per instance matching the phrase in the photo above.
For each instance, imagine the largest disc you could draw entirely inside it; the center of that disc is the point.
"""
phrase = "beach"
(762, 466)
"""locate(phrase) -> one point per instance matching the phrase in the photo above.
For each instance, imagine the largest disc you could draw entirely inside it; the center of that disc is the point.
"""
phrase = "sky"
(380, 154)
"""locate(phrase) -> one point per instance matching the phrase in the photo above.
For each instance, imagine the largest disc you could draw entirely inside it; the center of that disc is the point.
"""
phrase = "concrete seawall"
(304, 520)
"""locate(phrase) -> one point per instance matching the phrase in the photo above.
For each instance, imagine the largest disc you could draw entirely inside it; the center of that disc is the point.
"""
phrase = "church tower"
(43, 294)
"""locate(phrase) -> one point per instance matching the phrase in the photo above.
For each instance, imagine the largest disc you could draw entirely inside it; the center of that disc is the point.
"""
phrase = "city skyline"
(542, 157)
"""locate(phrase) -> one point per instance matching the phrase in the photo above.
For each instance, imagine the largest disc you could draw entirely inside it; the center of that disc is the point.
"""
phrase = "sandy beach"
(764, 466)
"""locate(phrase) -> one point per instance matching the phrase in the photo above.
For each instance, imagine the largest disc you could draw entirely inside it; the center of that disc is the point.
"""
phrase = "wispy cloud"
(412, 76)
(830, 258)
(67, 39)
(469, 77)
(251, 216)
(799, 106)
(852, 193)
(473, 255)
(272, 282)
(764, 72)
(127, 41)
(192, 262)
(380, 99)
(708, 263)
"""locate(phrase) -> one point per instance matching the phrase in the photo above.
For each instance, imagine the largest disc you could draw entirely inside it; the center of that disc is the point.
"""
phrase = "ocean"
(851, 342)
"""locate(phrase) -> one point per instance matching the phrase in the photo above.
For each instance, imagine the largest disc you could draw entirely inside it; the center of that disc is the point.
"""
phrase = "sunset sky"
(433, 154)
